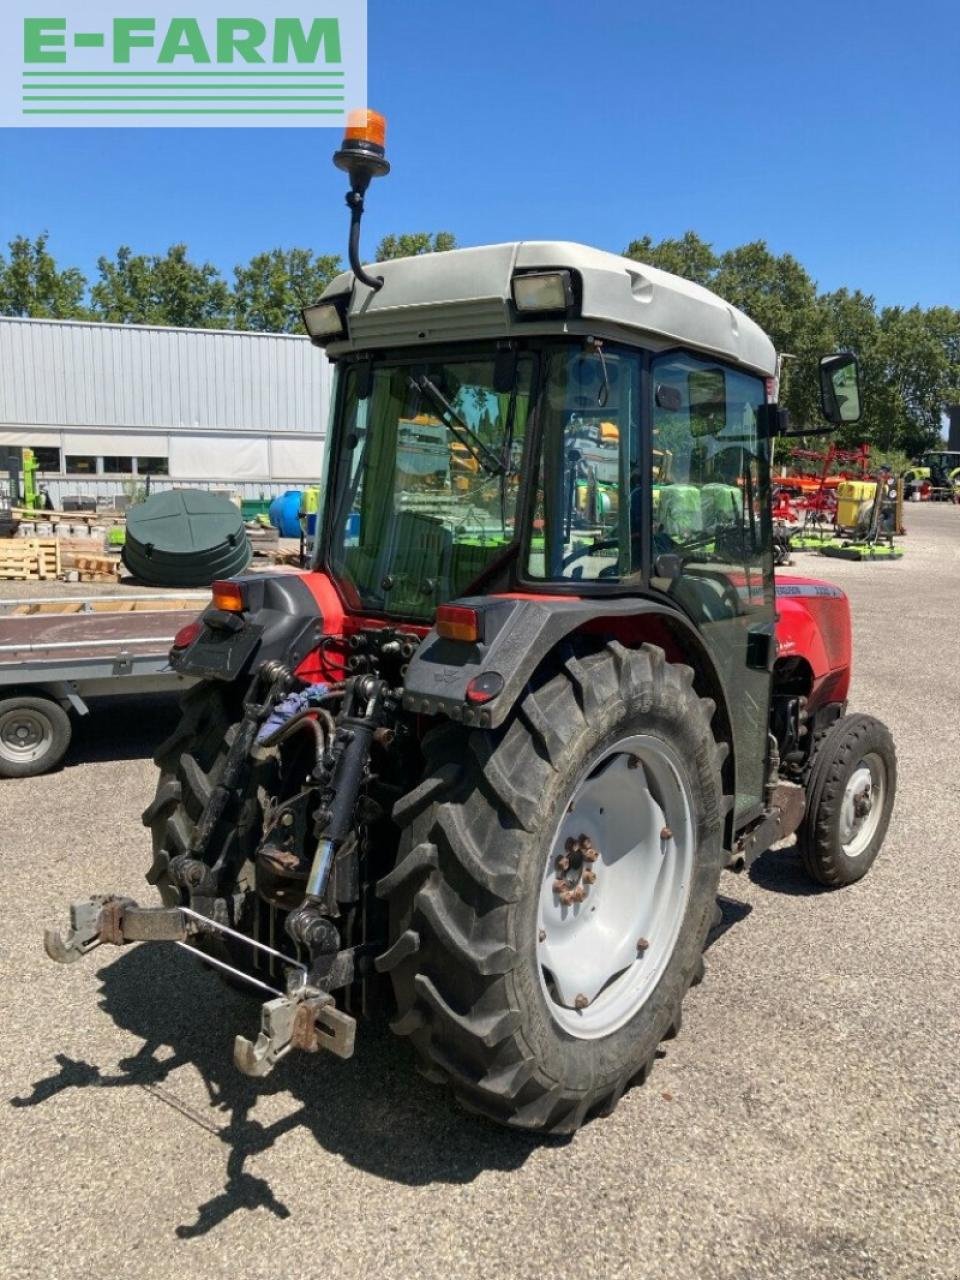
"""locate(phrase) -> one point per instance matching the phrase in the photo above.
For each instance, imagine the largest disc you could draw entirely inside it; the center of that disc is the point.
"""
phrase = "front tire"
(850, 795)
(522, 1033)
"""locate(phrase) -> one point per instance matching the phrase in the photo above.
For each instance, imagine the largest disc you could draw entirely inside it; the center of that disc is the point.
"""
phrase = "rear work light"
(325, 321)
(457, 622)
(228, 596)
(544, 293)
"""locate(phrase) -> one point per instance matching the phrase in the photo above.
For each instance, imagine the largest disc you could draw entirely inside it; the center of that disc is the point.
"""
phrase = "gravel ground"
(804, 1124)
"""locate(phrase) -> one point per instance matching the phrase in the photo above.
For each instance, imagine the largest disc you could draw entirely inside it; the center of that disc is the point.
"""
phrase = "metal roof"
(466, 294)
(60, 373)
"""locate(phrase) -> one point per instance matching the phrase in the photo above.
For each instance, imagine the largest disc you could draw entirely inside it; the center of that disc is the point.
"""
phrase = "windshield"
(426, 481)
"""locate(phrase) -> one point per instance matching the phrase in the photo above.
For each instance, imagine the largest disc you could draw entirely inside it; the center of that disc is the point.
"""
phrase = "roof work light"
(544, 293)
(327, 320)
(362, 155)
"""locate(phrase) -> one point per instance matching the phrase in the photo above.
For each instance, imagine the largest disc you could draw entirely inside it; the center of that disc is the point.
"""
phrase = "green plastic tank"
(185, 538)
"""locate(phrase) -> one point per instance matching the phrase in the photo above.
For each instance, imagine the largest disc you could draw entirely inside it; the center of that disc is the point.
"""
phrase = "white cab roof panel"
(466, 294)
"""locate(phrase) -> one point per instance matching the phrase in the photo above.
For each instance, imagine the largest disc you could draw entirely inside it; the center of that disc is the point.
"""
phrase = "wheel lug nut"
(560, 886)
(666, 834)
(589, 877)
(570, 844)
(642, 945)
(579, 893)
(563, 863)
(567, 898)
(581, 1002)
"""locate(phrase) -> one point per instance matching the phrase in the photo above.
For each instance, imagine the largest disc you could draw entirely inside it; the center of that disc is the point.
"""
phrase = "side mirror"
(840, 388)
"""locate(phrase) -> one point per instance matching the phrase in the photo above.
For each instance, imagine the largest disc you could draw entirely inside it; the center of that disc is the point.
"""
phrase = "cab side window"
(710, 541)
(585, 526)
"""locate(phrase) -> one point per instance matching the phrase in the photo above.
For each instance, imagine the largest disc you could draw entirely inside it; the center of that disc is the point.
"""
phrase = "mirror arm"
(772, 421)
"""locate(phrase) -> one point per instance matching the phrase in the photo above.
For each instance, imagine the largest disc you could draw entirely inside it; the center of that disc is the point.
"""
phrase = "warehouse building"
(113, 409)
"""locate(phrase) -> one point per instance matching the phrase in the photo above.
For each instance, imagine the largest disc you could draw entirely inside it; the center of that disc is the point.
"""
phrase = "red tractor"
(498, 745)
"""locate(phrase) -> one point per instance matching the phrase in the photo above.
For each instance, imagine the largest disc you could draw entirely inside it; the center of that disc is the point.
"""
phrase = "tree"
(31, 284)
(919, 353)
(779, 295)
(272, 289)
(141, 289)
(689, 256)
(412, 243)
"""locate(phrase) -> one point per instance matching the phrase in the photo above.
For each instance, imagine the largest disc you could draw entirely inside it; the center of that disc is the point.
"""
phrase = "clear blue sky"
(830, 130)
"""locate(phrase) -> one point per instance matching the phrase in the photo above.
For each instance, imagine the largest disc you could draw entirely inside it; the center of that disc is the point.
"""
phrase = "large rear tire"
(484, 954)
(191, 761)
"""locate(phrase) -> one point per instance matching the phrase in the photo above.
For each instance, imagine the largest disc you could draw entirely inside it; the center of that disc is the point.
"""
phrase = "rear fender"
(283, 622)
(519, 636)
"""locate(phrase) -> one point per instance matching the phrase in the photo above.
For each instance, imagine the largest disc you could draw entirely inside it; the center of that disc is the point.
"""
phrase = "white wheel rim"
(599, 958)
(862, 805)
(25, 735)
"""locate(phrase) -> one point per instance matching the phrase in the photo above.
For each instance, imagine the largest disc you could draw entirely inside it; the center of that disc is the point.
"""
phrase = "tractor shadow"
(374, 1111)
(127, 727)
(781, 871)
(732, 912)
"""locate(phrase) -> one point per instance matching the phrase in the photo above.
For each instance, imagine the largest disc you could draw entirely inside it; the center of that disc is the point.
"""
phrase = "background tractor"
(538, 689)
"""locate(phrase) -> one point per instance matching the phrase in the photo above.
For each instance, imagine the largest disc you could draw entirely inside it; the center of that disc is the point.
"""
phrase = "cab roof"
(466, 293)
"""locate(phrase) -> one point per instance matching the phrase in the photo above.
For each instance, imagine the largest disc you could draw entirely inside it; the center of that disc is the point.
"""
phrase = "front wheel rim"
(25, 736)
(615, 886)
(862, 805)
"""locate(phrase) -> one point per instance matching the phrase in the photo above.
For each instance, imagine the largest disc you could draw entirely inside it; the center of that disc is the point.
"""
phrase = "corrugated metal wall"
(55, 373)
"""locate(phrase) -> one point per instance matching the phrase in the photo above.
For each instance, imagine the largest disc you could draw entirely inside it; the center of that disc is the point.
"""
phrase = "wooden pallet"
(71, 517)
(100, 605)
(29, 559)
(94, 568)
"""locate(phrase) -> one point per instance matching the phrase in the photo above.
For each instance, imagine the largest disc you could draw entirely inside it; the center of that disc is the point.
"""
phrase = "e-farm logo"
(118, 64)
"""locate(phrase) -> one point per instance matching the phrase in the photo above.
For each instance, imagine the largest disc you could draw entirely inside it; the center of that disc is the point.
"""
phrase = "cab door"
(711, 539)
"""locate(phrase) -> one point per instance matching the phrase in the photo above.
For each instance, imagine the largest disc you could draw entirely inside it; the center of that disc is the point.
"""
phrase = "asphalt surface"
(804, 1123)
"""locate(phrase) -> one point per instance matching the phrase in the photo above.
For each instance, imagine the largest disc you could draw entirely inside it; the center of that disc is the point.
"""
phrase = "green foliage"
(32, 285)
(141, 289)
(689, 256)
(896, 459)
(411, 244)
(909, 358)
(272, 289)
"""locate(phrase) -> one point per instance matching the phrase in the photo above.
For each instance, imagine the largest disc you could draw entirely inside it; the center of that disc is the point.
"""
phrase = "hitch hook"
(308, 1020)
(92, 922)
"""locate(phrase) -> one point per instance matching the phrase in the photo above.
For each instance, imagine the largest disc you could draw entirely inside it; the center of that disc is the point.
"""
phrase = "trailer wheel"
(850, 797)
(554, 887)
(34, 736)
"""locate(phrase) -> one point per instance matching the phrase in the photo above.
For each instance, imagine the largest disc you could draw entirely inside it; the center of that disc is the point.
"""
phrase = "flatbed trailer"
(56, 652)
